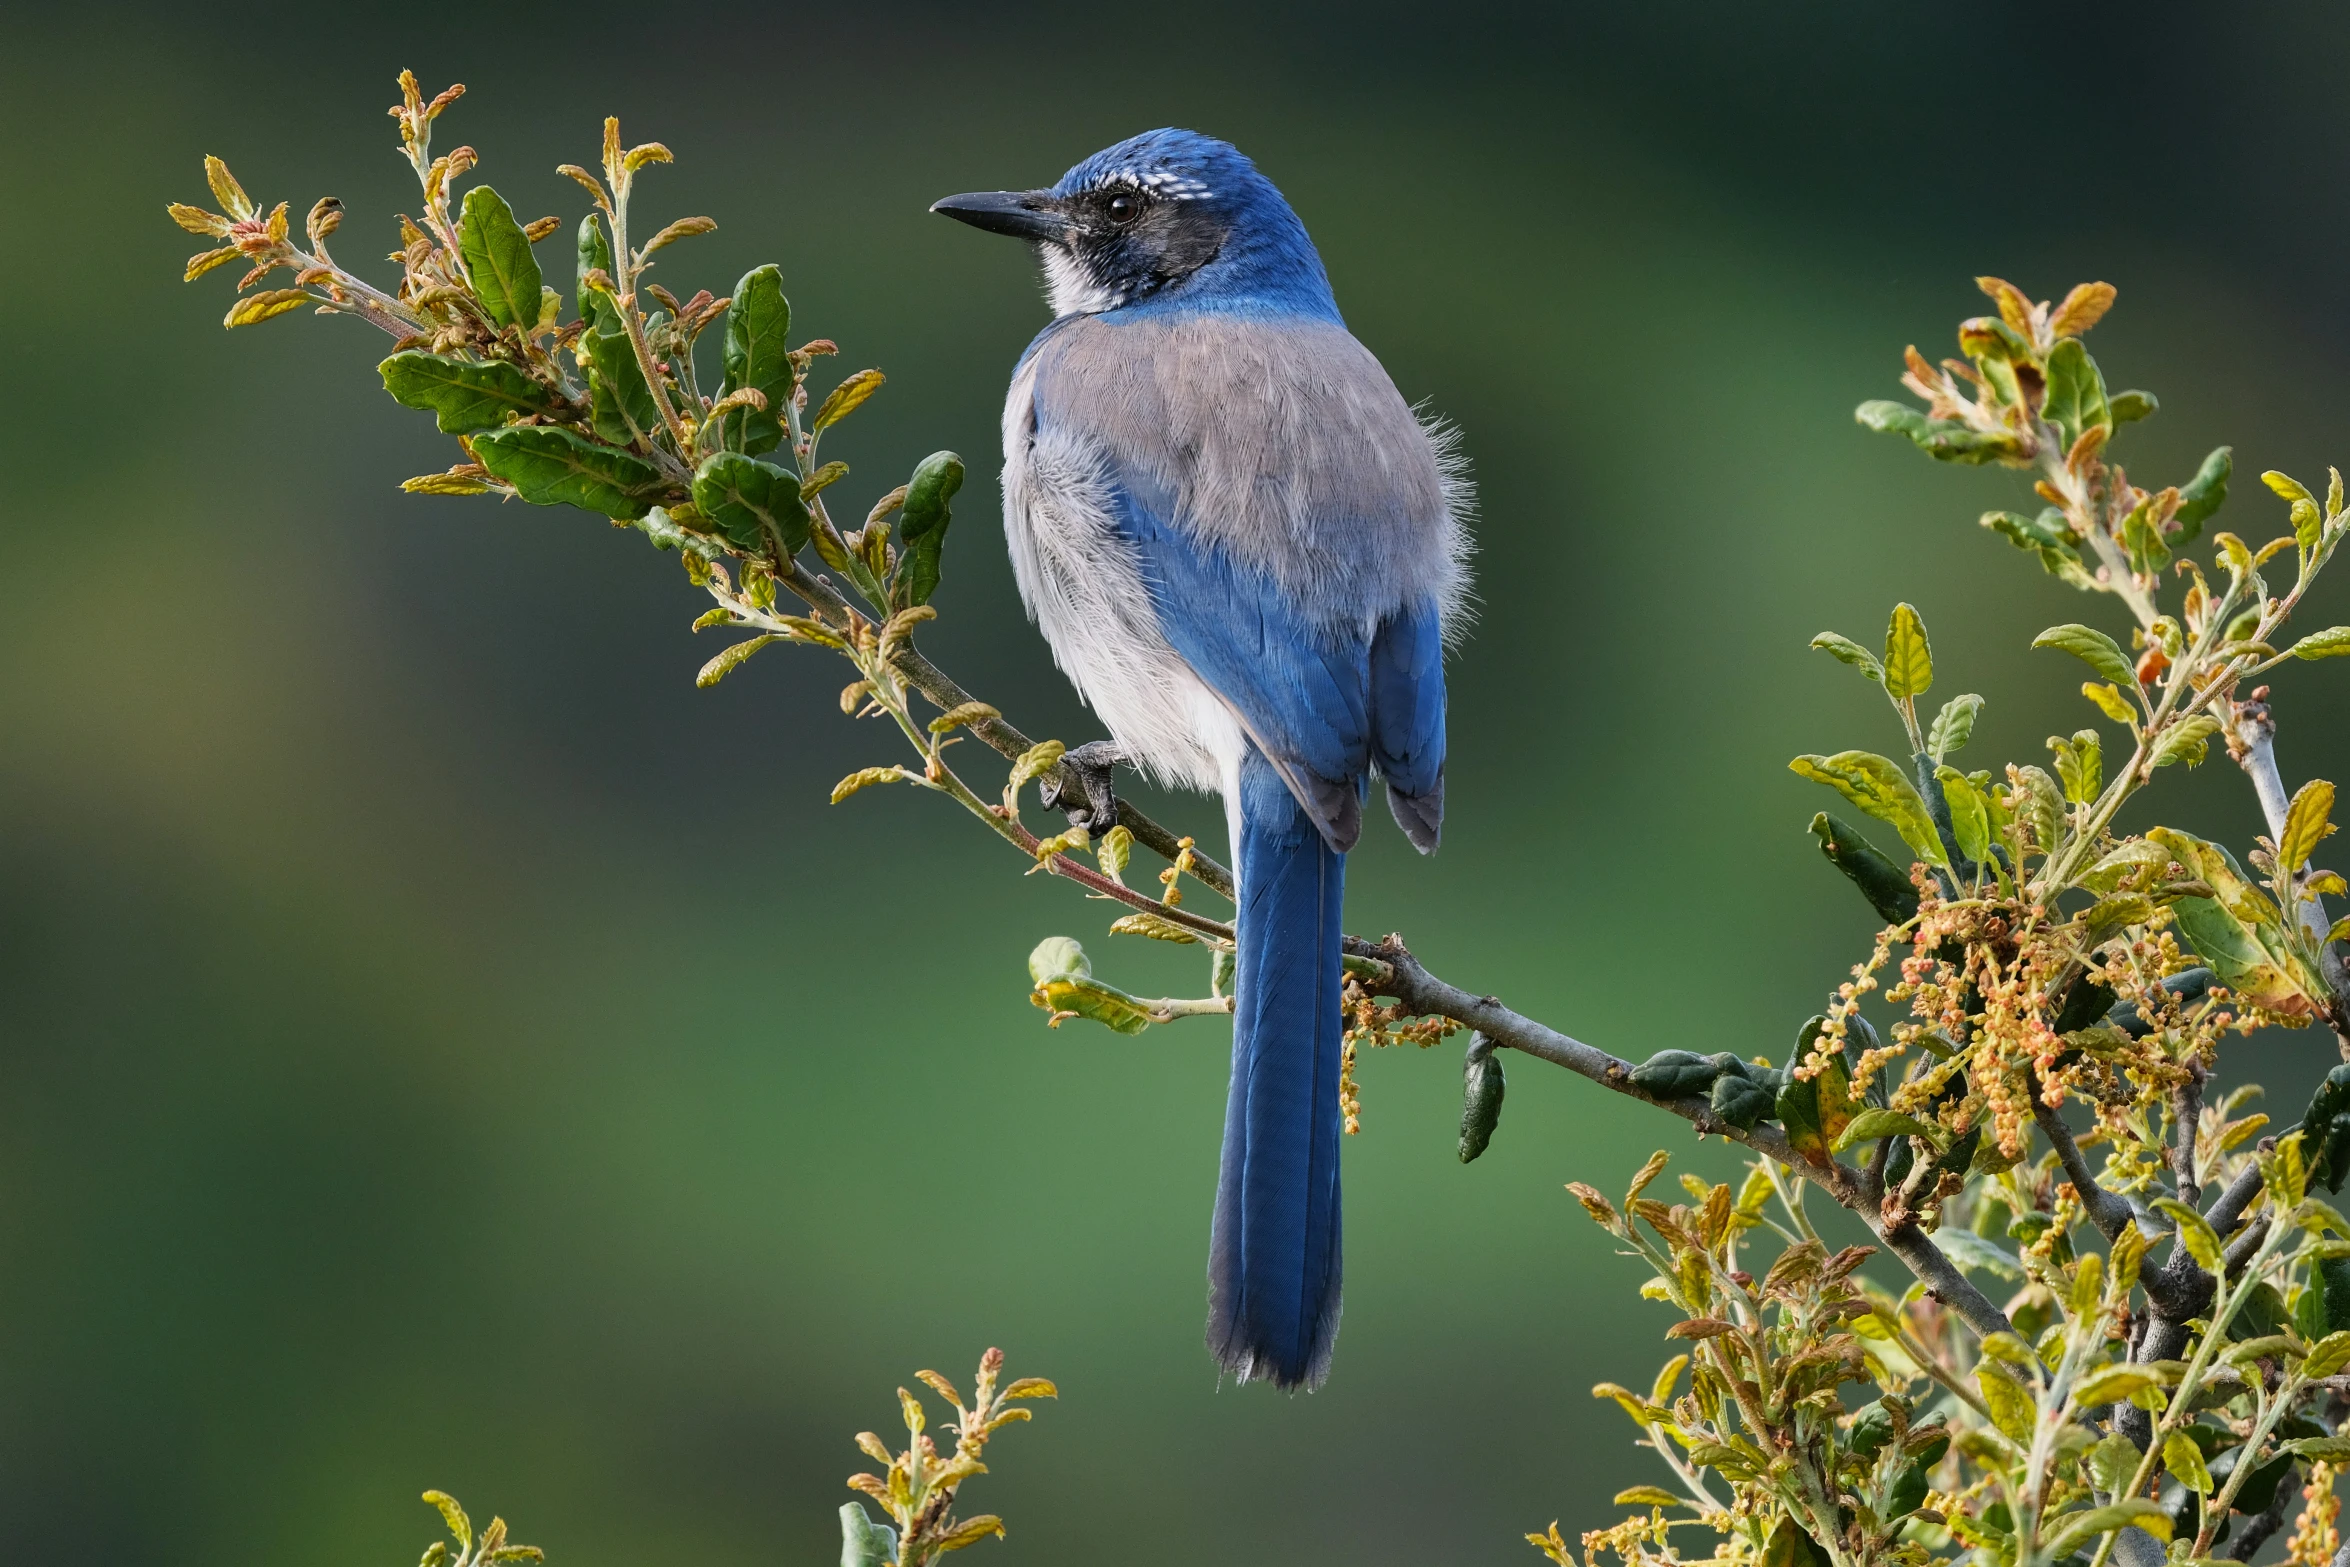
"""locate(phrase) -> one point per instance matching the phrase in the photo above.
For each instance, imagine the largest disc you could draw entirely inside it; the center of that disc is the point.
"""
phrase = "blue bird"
(1246, 550)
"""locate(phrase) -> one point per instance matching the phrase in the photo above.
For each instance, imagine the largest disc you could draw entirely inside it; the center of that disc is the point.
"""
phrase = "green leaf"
(2111, 1463)
(757, 356)
(1883, 790)
(2185, 1461)
(1872, 1124)
(1845, 650)
(2307, 824)
(2012, 1409)
(595, 255)
(922, 527)
(2202, 495)
(1909, 658)
(624, 408)
(1885, 884)
(463, 397)
(2129, 407)
(1945, 440)
(1970, 820)
(1740, 1100)
(2074, 1530)
(2142, 541)
(2043, 807)
(2186, 742)
(2320, 1449)
(757, 505)
(1968, 1250)
(548, 466)
(1677, 1074)
(2112, 1385)
(2092, 647)
(2080, 762)
(864, 1543)
(2332, 642)
(1953, 726)
(2195, 1232)
(504, 273)
(2239, 931)
(2076, 393)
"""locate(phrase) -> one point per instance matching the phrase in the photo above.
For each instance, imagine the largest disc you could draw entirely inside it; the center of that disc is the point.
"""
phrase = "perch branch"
(1406, 980)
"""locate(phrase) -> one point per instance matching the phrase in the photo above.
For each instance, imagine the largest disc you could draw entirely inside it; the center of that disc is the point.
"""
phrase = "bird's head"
(1168, 214)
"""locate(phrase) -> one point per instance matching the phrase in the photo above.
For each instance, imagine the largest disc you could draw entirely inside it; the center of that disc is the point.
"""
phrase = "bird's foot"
(1081, 790)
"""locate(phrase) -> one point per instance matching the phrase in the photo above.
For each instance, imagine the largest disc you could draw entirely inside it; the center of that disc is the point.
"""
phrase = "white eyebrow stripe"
(1160, 182)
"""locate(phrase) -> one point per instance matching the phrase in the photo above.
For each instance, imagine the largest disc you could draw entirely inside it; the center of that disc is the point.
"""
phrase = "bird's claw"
(1093, 805)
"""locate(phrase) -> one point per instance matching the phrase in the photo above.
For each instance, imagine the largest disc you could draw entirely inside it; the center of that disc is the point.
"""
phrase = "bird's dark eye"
(1125, 208)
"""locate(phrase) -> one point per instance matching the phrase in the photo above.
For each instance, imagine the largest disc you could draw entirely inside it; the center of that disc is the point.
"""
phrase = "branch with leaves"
(2061, 989)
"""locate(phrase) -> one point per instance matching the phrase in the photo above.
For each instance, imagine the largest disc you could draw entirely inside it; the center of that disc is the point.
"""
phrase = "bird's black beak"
(1023, 214)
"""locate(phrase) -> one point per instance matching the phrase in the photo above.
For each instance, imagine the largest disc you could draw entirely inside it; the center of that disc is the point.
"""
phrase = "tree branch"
(1000, 736)
(1404, 978)
(2109, 1211)
(2253, 732)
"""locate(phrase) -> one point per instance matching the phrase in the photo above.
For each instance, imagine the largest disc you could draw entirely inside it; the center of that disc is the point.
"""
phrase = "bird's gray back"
(1281, 441)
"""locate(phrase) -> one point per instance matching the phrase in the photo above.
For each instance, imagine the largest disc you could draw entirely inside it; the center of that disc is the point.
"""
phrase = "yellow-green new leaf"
(2195, 1232)
(2109, 701)
(232, 199)
(724, 664)
(2186, 742)
(1970, 818)
(1038, 759)
(1882, 789)
(2321, 1449)
(269, 302)
(1873, 1123)
(2012, 1409)
(971, 1532)
(452, 1514)
(865, 778)
(2078, 1529)
(2306, 823)
(1649, 1496)
(2092, 647)
(1909, 658)
(2112, 1385)
(2332, 642)
(845, 399)
(2184, 1459)
(1845, 650)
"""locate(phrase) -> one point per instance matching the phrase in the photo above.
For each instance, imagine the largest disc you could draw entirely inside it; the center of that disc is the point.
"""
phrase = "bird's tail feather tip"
(1245, 1362)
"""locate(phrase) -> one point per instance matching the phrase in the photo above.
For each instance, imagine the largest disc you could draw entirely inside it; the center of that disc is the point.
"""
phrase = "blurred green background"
(440, 1046)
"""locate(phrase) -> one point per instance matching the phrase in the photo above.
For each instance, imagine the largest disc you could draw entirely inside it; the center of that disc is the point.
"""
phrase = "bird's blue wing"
(1407, 718)
(1301, 692)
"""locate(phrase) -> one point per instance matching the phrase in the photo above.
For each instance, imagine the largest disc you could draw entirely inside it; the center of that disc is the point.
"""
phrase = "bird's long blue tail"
(1274, 1263)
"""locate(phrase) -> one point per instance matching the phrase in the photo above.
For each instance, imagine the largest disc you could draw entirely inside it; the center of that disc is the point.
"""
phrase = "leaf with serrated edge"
(463, 397)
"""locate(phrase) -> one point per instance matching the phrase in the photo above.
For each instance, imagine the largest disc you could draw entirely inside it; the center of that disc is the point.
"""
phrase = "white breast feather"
(1085, 590)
